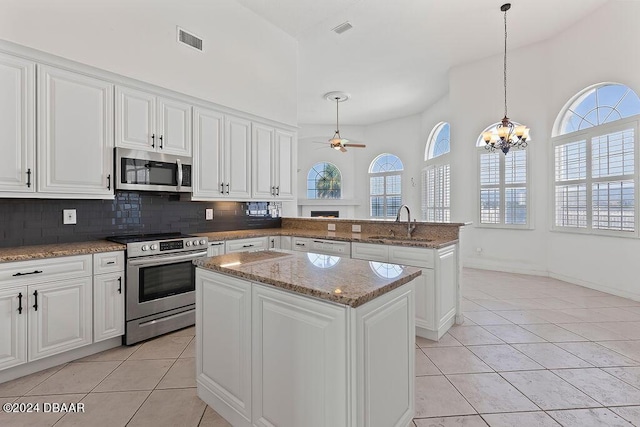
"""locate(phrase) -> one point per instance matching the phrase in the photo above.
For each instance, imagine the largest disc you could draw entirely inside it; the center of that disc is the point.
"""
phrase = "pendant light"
(506, 135)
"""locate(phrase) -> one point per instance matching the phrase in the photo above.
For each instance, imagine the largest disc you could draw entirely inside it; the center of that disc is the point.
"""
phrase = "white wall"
(247, 63)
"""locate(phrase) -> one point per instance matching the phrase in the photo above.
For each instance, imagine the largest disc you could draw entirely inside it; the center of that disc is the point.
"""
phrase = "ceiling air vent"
(345, 26)
(189, 39)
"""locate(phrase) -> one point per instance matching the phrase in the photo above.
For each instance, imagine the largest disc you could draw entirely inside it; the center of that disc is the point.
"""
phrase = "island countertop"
(340, 280)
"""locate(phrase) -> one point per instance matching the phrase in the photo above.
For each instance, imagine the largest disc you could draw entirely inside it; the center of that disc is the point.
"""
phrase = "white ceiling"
(394, 61)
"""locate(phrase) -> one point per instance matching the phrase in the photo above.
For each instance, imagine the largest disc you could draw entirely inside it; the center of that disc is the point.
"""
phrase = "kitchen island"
(289, 339)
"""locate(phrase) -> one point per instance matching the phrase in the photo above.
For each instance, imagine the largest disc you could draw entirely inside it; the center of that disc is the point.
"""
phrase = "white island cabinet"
(315, 350)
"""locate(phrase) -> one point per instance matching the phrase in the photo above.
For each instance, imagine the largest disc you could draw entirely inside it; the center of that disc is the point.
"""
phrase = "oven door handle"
(165, 259)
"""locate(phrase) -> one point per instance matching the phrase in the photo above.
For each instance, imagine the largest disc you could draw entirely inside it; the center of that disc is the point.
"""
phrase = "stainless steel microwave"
(147, 171)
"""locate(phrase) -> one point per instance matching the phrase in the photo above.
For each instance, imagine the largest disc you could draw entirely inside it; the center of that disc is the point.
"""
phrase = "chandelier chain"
(505, 63)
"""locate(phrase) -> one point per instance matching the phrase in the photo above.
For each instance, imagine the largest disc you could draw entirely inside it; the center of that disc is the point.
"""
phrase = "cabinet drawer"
(331, 247)
(370, 252)
(246, 245)
(301, 244)
(415, 257)
(108, 262)
(45, 270)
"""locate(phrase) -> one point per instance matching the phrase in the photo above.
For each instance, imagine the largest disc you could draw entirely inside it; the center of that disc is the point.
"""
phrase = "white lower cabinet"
(108, 295)
(223, 347)
(215, 248)
(436, 289)
(59, 317)
(266, 357)
(13, 326)
(51, 306)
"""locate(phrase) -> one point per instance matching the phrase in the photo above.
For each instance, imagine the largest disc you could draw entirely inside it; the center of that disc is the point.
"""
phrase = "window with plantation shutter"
(504, 194)
(595, 162)
(436, 181)
(385, 186)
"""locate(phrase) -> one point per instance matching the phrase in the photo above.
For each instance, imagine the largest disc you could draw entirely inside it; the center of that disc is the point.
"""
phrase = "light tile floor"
(533, 351)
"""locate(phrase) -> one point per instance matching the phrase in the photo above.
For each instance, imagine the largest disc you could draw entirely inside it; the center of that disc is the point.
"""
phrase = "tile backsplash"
(39, 221)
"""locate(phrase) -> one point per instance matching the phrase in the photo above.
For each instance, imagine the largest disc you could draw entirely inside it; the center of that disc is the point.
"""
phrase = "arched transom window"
(436, 184)
(504, 196)
(595, 170)
(385, 186)
(324, 181)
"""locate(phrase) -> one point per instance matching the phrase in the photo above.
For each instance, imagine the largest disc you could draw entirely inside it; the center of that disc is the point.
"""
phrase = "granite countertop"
(434, 243)
(25, 253)
(341, 280)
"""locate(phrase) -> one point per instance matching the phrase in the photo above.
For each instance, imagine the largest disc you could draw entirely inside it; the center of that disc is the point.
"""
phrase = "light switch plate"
(356, 228)
(69, 216)
(208, 214)
(331, 227)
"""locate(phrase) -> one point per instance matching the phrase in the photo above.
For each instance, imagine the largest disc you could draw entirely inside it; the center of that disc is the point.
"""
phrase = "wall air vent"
(189, 39)
(345, 26)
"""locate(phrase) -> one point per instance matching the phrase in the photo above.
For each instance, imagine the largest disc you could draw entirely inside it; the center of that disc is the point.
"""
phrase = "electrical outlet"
(479, 251)
(69, 216)
(331, 227)
(208, 214)
(356, 228)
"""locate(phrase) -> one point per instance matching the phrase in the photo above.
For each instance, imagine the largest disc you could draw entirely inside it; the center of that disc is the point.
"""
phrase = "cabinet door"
(223, 328)
(208, 128)
(299, 366)
(17, 133)
(59, 317)
(75, 144)
(426, 300)
(135, 119)
(263, 160)
(108, 306)
(174, 127)
(237, 158)
(285, 165)
(13, 327)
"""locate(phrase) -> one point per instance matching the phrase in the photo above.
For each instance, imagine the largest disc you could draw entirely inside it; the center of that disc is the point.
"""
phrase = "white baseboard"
(596, 287)
(505, 268)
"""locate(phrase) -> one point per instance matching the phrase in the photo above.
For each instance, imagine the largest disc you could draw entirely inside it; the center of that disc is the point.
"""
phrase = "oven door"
(160, 283)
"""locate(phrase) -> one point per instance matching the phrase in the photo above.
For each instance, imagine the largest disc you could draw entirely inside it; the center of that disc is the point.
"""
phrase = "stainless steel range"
(160, 285)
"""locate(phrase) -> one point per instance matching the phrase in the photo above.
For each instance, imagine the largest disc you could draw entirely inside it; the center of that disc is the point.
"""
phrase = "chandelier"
(506, 134)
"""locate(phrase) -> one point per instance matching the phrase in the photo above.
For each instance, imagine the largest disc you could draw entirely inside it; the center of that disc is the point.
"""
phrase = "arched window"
(595, 171)
(436, 183)
(438, 142)
(504, 195)
(324, 181)
(385, 180)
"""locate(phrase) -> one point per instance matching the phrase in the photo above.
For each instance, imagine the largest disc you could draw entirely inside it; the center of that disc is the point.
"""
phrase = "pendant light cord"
(337, 122)
(505, 63)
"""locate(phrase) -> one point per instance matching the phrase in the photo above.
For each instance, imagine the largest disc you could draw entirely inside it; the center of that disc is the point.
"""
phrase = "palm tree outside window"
(324, 181)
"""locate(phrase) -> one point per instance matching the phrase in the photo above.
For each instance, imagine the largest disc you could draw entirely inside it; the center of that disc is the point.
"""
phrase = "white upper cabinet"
(272, 163)
(222, 156)
(75, 134)
(208, 130)
(17, 139)
(285, 164)
(237, 158)
(152, 123)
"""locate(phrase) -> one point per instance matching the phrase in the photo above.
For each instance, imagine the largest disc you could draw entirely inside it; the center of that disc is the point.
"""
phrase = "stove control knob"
(195, 243)
(145, 248)
(202, 242)
(154, 247)
(188, 243)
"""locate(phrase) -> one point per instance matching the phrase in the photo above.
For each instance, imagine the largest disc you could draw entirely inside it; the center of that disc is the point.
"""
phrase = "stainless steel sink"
(400, 238)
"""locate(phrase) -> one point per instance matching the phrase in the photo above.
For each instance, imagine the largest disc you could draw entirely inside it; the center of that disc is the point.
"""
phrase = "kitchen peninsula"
(288, 339)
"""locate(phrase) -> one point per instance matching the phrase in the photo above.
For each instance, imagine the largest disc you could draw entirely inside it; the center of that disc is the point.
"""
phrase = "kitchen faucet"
(410, 228)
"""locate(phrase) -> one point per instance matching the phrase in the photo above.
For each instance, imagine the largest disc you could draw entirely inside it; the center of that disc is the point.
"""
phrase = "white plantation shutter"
(436, 188)
(503, 188)
(595, 180)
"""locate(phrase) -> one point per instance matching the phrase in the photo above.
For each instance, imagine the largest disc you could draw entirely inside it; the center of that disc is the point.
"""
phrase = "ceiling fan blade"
(344, 150)
(355, 145)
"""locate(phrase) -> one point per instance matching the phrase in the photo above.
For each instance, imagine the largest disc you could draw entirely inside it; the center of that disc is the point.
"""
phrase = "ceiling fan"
(338, 142)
